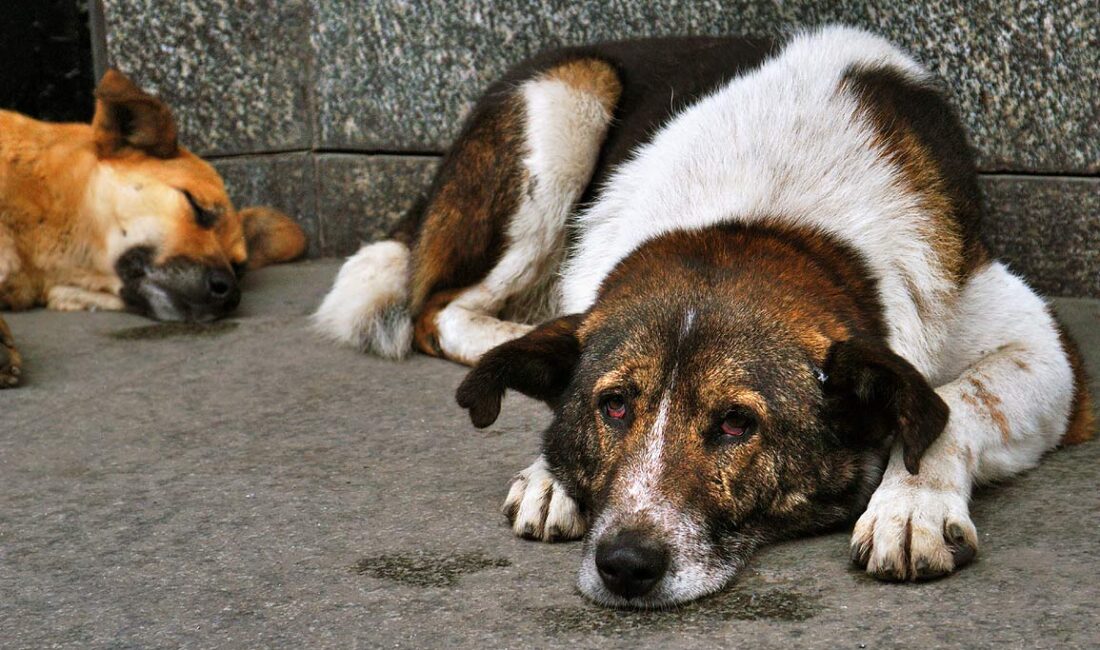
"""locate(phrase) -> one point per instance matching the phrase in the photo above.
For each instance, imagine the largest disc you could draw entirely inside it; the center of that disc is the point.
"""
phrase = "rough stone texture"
(236, 72)
(251, 486)
(362, 197)
(395, 75)
(1048, 230)
(317, 76)
(398, 76)
(284, 181)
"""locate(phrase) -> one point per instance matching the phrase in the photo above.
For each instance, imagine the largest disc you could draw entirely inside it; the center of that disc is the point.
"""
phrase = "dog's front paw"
(913, 532)
(538, 507)
(66, 298)
(10, 361)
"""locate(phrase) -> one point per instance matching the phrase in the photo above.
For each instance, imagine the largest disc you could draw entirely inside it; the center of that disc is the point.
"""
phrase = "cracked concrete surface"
(247, 485)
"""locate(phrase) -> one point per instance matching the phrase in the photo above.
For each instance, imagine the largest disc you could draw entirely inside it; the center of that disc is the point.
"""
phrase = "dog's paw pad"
(539, 508)
(914, 534)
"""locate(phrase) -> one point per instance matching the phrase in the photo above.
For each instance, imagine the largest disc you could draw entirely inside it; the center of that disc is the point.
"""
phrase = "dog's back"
(836, 130)
(840, 133)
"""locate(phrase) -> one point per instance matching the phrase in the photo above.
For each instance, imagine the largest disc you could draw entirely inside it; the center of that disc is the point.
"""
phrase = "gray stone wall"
(337, 111)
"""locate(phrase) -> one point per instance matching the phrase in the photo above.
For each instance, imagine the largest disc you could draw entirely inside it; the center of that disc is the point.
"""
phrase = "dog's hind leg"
(1016, 390)
(492, 227)
(566, 112)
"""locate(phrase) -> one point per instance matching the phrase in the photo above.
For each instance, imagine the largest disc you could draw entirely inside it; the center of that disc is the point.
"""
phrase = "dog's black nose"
(221, 288)
(631, 562)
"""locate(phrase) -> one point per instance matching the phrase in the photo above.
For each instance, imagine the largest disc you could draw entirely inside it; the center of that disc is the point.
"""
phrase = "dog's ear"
(539, 364)
(128, 117)
(872, 393)
(271, 236)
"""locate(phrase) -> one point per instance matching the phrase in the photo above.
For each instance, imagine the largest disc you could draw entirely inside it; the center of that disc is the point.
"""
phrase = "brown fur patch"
(991, 404)
(425, 327)
(922, 176)
(592, 76)
(476, 192)
(1082, 417)
(919, 132)
(826, 293)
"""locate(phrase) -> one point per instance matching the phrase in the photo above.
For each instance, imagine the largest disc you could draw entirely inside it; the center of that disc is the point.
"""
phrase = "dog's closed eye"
(204, 217)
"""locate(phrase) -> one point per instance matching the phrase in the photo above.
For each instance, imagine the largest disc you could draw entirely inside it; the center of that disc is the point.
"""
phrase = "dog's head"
(172, 234)
(698, 415)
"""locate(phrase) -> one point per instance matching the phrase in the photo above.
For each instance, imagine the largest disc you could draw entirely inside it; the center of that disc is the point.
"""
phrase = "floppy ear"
(128, 117)
(873, 393)
(271, 236)
(538, 364)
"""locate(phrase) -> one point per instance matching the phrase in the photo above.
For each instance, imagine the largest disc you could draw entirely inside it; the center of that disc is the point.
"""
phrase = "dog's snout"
(631, 562)
(220, 283)
(222, 290)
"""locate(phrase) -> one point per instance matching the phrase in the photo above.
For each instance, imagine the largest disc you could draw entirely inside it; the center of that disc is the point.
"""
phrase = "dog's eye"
(736, 425)
(204, 217)
(614, 407)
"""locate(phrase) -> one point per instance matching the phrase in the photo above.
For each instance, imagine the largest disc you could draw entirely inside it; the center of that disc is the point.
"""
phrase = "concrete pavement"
(246, 485)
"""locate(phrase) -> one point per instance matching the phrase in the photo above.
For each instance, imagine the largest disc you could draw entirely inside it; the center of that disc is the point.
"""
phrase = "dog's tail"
(368, 305)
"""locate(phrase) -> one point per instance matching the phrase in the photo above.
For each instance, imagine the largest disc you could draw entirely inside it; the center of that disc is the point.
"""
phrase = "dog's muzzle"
(631, 562)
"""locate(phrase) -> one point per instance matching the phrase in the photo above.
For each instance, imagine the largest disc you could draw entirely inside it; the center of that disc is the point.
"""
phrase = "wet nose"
(221, 289)
(631, 562)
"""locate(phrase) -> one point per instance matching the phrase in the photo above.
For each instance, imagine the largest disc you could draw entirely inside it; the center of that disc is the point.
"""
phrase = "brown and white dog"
(116, 215)
(770, 309)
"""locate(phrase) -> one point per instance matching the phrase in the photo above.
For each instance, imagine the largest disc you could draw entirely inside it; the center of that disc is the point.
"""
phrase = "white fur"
(10, 261)
(780, 142)
(564, 130)
(69, 298)
(643, 477)
(1009, 386)
(367, 306)
(110, 194)
(543, 509)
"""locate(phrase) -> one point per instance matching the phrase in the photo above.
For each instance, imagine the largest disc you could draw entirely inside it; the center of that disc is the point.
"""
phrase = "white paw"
(66, 298)
(538, 507)
(914, 532)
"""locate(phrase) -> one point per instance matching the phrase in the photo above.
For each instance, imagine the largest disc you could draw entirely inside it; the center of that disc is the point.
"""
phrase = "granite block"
(236, 72)
(284, 181)
(399, 76)
(1048, 230)
(361, 197)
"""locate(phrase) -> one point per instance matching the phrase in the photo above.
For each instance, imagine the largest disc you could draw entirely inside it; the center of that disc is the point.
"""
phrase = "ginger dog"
(116, 215)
